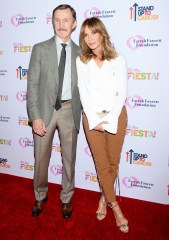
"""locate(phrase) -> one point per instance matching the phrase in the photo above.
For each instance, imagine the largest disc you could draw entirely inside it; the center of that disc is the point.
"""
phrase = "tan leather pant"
(106, 150)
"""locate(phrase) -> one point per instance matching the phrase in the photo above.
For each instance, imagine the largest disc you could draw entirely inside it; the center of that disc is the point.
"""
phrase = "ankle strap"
(110, 205)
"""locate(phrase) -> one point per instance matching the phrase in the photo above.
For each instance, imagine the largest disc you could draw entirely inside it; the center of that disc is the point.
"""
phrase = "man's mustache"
(61, 29)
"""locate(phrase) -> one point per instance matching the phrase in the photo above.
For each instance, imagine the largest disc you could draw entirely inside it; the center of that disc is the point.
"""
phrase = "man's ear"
(74, 25)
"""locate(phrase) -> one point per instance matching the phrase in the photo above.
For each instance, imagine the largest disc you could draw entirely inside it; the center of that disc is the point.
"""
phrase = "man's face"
(63, 23)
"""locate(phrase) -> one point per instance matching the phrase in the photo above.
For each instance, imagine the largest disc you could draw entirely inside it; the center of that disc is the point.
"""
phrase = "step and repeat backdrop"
(139, 31)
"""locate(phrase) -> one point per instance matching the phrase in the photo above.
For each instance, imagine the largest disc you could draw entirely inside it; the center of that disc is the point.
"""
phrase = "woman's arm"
(87, 104)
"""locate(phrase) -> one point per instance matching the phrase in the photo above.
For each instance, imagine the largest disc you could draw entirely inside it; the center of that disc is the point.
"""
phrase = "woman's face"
(93, 39)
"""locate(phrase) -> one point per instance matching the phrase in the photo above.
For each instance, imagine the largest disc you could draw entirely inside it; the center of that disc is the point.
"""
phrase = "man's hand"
(39, 127)
(99, 126)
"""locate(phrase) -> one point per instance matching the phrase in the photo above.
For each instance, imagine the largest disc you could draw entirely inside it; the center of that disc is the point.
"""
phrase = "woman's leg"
(98, 144)
(106, 150)
(115, 143)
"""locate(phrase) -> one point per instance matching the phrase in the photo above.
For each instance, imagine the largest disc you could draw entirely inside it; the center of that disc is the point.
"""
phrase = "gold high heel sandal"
(102, 209)
(121, 221)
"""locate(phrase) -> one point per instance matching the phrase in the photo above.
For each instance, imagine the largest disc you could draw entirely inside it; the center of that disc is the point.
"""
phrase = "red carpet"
(147, 221)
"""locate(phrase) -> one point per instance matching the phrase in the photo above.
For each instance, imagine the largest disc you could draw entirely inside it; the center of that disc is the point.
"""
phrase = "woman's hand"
(99, 126)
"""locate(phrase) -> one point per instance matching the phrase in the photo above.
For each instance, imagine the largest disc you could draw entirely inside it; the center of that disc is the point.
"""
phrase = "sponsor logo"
(21, 73)
(87, 151)
(3, 98)
(5, 142)
(1, 52)
(136, 132)
(26, 166)
(56, 147)
(137, 158)
(21, 96)
(56, 169)
(19, 47)
(3, 160)
(96, 12)
(3, 163)
(4, 119)
(25, 142)
(19, 19)
(0, 23)
(139, 41)
(3, 72)
(23, 121)
(89, 176)
(137, 101)
(130, 182)
(142, 13)
(135, 74)
(48, 18)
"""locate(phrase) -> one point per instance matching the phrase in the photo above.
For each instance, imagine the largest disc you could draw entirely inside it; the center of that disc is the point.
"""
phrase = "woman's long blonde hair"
(96, 26)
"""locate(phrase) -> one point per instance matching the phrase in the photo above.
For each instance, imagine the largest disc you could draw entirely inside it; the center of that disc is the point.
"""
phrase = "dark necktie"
(61, 75)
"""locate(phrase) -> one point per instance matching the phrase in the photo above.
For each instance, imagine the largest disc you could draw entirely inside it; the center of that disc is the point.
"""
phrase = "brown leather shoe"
(38, 207)
(67, 210)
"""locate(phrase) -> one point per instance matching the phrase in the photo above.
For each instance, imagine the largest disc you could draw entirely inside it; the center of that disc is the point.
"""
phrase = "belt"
(64, 101)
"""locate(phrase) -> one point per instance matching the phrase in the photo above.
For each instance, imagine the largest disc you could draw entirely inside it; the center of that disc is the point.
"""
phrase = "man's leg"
(42, 150)
(68, 138)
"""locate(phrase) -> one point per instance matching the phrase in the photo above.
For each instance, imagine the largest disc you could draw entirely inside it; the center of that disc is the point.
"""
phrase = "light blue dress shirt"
(66, 89)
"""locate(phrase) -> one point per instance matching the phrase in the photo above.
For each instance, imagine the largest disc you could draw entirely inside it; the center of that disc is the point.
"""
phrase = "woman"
(102, 82)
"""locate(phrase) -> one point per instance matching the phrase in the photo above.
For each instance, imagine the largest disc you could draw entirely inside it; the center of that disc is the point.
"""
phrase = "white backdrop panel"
(143, 39)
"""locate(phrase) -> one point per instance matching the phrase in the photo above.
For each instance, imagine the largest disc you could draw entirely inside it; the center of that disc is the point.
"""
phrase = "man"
(53, 102)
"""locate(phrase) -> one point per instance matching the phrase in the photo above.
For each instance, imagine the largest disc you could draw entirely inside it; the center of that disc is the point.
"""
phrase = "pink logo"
(130, 101)
(87, 151)
(24, 142)
(134, 42)
(21, 96)
(56, 169)
(16, 19)
(93, 12)
(128, 180)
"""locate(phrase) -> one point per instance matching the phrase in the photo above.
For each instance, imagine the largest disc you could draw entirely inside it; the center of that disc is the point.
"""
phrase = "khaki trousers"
(106, 149)
(64, 122)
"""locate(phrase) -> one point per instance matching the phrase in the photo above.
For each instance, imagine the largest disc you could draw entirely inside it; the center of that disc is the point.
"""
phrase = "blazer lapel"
(73, 63)
(52, 60)
(51, 56)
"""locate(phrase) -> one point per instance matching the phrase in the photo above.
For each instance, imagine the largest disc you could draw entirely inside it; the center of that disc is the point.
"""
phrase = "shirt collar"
(59, 41)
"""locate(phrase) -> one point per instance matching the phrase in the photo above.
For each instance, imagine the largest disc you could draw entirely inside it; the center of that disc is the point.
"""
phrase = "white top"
(101, 89)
